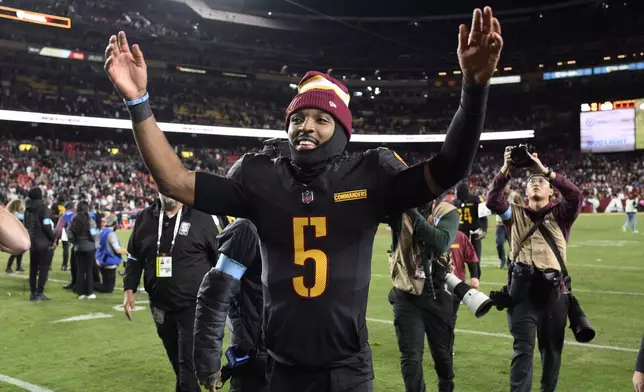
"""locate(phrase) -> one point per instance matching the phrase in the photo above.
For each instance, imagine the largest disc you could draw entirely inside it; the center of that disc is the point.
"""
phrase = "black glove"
(501, 299)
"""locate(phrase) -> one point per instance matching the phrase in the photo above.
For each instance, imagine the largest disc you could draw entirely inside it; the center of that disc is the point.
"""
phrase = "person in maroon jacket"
(537, 293)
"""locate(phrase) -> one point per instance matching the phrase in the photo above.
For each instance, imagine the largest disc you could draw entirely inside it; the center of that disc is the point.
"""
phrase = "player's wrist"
(136, 96)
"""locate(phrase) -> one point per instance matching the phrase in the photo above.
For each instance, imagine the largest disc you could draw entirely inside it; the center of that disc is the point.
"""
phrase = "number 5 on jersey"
(316, 256)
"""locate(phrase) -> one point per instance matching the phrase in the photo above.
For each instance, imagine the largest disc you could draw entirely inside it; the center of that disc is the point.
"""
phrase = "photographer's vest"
(535, 249)
(406, 258)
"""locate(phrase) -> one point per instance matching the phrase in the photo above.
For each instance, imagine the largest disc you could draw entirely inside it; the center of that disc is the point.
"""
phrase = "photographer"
(421, 305)
(537, 291)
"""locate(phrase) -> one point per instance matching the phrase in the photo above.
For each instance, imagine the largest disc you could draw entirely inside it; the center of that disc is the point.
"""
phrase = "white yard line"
(507, 336)
(83, 317)
(22, 384)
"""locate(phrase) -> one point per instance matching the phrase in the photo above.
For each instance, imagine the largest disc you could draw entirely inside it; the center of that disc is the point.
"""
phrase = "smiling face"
(308, 128)
(538, 188)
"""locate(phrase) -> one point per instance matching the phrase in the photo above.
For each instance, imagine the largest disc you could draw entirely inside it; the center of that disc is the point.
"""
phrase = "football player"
(472, 220)
(317, 211)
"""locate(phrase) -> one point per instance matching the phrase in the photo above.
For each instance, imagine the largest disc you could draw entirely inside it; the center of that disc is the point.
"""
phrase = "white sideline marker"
(90, 316)
(506, 336)
(22, 384)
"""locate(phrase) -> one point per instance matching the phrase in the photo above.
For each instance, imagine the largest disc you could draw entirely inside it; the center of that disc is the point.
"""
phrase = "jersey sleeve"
(469, 254)
(217, 195)
(400, 187)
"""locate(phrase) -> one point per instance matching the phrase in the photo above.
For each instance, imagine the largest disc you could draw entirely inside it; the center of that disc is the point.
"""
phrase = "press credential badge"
(164, 262)
(164, 266)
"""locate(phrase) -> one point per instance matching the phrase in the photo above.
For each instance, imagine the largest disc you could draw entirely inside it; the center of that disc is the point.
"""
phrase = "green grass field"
(112, 354)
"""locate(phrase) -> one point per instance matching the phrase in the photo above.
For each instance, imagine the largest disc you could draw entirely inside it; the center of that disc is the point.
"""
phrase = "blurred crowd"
(50, 86)
(173, 34)
(112, 177)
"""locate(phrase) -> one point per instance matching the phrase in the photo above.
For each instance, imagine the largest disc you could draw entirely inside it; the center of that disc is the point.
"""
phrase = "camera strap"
(532, 230)
(553, 247)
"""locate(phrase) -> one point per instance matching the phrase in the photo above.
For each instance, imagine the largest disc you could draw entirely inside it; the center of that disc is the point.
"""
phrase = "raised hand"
(126, 68)
(479, 49)
(537, 166)
(507, 159)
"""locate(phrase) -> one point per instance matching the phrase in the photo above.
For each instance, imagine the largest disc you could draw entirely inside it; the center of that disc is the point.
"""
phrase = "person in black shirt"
(470, 223)
(173, 264)
(317, 211)
(41, 231)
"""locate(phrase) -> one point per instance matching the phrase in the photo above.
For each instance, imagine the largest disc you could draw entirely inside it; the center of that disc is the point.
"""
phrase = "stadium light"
(35, 17)
(113, 123)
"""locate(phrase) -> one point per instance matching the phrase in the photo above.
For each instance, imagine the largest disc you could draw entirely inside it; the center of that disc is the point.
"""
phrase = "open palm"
(126, 68)
(479, 49)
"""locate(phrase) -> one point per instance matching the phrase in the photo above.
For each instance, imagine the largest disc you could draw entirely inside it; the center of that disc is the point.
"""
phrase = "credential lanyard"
(174, 235)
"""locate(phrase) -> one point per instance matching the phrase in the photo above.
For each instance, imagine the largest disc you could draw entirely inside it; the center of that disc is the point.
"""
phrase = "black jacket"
(639, 364)
(39, 224)
(246, 308)
(240, 242)
(194, 253)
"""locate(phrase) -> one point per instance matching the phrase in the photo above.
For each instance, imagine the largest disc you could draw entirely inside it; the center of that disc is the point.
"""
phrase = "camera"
(521, 155)
(477, 302)
(579, 323)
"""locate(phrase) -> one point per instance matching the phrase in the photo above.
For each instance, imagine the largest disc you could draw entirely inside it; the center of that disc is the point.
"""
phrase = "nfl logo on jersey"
(307, 197)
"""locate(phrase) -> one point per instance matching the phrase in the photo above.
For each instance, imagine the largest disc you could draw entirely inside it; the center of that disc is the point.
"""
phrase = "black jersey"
(316, 244)
(468, 211)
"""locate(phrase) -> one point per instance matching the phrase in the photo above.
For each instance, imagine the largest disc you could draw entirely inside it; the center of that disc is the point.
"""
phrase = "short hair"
(540, 175)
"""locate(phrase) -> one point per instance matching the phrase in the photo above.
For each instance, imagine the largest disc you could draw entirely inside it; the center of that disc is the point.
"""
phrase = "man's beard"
(167, 203)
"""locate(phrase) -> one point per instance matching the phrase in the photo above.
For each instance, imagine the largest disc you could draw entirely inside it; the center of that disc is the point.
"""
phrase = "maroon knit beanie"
(321, 91)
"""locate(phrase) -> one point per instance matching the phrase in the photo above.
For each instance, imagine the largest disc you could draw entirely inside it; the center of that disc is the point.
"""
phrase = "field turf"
(112, 354)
